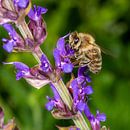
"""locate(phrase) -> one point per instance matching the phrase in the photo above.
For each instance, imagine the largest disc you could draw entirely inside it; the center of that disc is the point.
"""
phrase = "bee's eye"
(76, 40)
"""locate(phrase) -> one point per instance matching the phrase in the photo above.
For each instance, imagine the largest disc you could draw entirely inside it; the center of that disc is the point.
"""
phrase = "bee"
(86, 51)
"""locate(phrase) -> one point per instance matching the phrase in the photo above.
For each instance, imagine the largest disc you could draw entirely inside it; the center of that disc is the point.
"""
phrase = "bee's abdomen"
(95, 60)
(95, 65)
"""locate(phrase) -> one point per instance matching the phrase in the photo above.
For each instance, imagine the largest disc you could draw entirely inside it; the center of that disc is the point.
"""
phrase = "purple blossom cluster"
(36, 25)
(43, 73)
(62, 54)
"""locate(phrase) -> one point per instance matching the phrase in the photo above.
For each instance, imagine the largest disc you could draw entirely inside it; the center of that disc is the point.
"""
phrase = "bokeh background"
(109, 22)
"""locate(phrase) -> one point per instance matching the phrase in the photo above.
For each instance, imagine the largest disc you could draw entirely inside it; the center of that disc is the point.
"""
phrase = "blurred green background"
(109, 22)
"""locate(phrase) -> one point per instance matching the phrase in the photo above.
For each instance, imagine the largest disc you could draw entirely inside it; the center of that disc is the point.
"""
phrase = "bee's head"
(74, 40)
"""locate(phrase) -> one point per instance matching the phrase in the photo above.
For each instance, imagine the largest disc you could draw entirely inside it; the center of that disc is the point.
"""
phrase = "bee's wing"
(107, 51)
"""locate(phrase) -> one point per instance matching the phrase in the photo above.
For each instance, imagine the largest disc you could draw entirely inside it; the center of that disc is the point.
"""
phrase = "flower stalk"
(70, 105)
(59, 84)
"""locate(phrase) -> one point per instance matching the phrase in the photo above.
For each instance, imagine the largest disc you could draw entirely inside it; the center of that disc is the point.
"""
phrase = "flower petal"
(49, 106)
(21, 66)
(74, 85)
(45, 64)
(81, 71)
(22, 69)
(22, 3)
(67, 68)
(36, 13)
(9, 46)
(56, 94)
(100, 116)
(57, 57)
(88, 90)
(81, 106)
(9, 28)
(87, 111)
(61, 45)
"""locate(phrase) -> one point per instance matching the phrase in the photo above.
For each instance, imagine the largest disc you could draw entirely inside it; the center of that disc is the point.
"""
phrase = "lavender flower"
(15, 42)
(62, 55)
(80, 90)
(34, 76)
(22, 70)
(37, 25)
(95, 121)
(21, 3)
(9, 45)
(36, 13)
(55, 101)
(45, 64)
(63, 105)
(57, 106)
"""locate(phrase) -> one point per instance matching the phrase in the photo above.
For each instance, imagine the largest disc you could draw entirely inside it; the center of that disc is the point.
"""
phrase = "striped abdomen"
(95, 60)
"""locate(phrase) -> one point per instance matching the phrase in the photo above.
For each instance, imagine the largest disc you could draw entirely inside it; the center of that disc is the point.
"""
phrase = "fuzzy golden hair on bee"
(86, 51)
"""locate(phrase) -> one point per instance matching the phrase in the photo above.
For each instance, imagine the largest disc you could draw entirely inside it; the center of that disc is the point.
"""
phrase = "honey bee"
(86, 51)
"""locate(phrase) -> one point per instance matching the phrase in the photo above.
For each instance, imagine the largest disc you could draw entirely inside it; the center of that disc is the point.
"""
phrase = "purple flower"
(75, 88)
(57, 106)
(9, 45)
(37, 25)
(94, 120)
(22, 69)
(50, 105)
(82, 72)
(55, 101)
(21, 3)
(62, 55)
(67, 68)
(45, 64)
(38, 76)
(81, 106)
(88, 90)
(81, 90)
(35, 14)
(11, 31)
(15, 42)
(56, 94)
